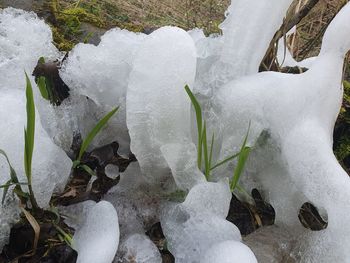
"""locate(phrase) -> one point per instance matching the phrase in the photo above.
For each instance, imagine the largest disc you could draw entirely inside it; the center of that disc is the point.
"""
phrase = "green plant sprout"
(205, 153)
(89, 138)
(29, 133)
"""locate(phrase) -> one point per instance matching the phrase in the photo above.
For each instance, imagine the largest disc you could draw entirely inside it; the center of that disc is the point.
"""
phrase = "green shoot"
(230, 158)
(211, 151)
(92, 135)
(29, 132)
(199, 119)
(42, 88)
(242, 159)
(206, 153)
(67, 238)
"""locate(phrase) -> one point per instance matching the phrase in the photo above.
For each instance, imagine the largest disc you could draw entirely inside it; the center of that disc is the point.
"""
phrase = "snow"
(97, 240)
(229, 251)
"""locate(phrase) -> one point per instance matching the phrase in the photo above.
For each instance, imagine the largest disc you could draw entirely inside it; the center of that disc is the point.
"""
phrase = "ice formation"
(291, 117)
(228, 252)
(139, 248)
(297, 113)
(51, 166)
(97, 239)
(102, 74)
(158, 109)
(197, 224)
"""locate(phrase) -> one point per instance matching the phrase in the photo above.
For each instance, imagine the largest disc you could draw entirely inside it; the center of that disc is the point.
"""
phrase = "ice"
(98, 238)
(10, 214)
(182, 160)
(102, 74)
(140, 249)
(136, 202)
(51, 166)
(272, 244)
(298, 113)
(158, 108)
(76, 214)
(112, 171)
(24, 38)
(195, 225)
(250, 25)
(229, 251)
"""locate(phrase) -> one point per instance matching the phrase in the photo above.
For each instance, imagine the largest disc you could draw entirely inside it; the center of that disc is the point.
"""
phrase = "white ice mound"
(98, 238)
(140, 249)
(195, 225)
(51, 166)
(294, 116)
(182, 160)
(229, 252)
(250, 25)
(24, 38)
(102, 74)
(158, 108)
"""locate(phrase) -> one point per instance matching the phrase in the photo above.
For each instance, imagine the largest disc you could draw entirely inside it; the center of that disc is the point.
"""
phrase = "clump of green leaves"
(205, 149)
(87, 141)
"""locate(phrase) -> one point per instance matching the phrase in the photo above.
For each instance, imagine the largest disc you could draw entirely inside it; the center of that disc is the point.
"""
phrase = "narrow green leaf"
(6, 188)
(13, 174)
(10, 183)
(29, 130)
(205, 152)
(225, 161)
(242, 159)
(199, 119)
(95, 131)
(87, 169)
(41, 82)
(211, 150)
(42, 60)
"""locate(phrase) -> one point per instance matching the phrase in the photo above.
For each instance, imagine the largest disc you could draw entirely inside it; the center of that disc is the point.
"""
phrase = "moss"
(342, 130)
(66, 27)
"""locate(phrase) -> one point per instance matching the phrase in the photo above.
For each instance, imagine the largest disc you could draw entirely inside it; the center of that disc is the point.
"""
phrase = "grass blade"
(6, 187)
(95, 131)
(13, 174)
(242, 159)
(225, 161)
(205, 152)
(29, 130)
(199, 119)
(87, 169)
(211, 150)
(41, 82)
